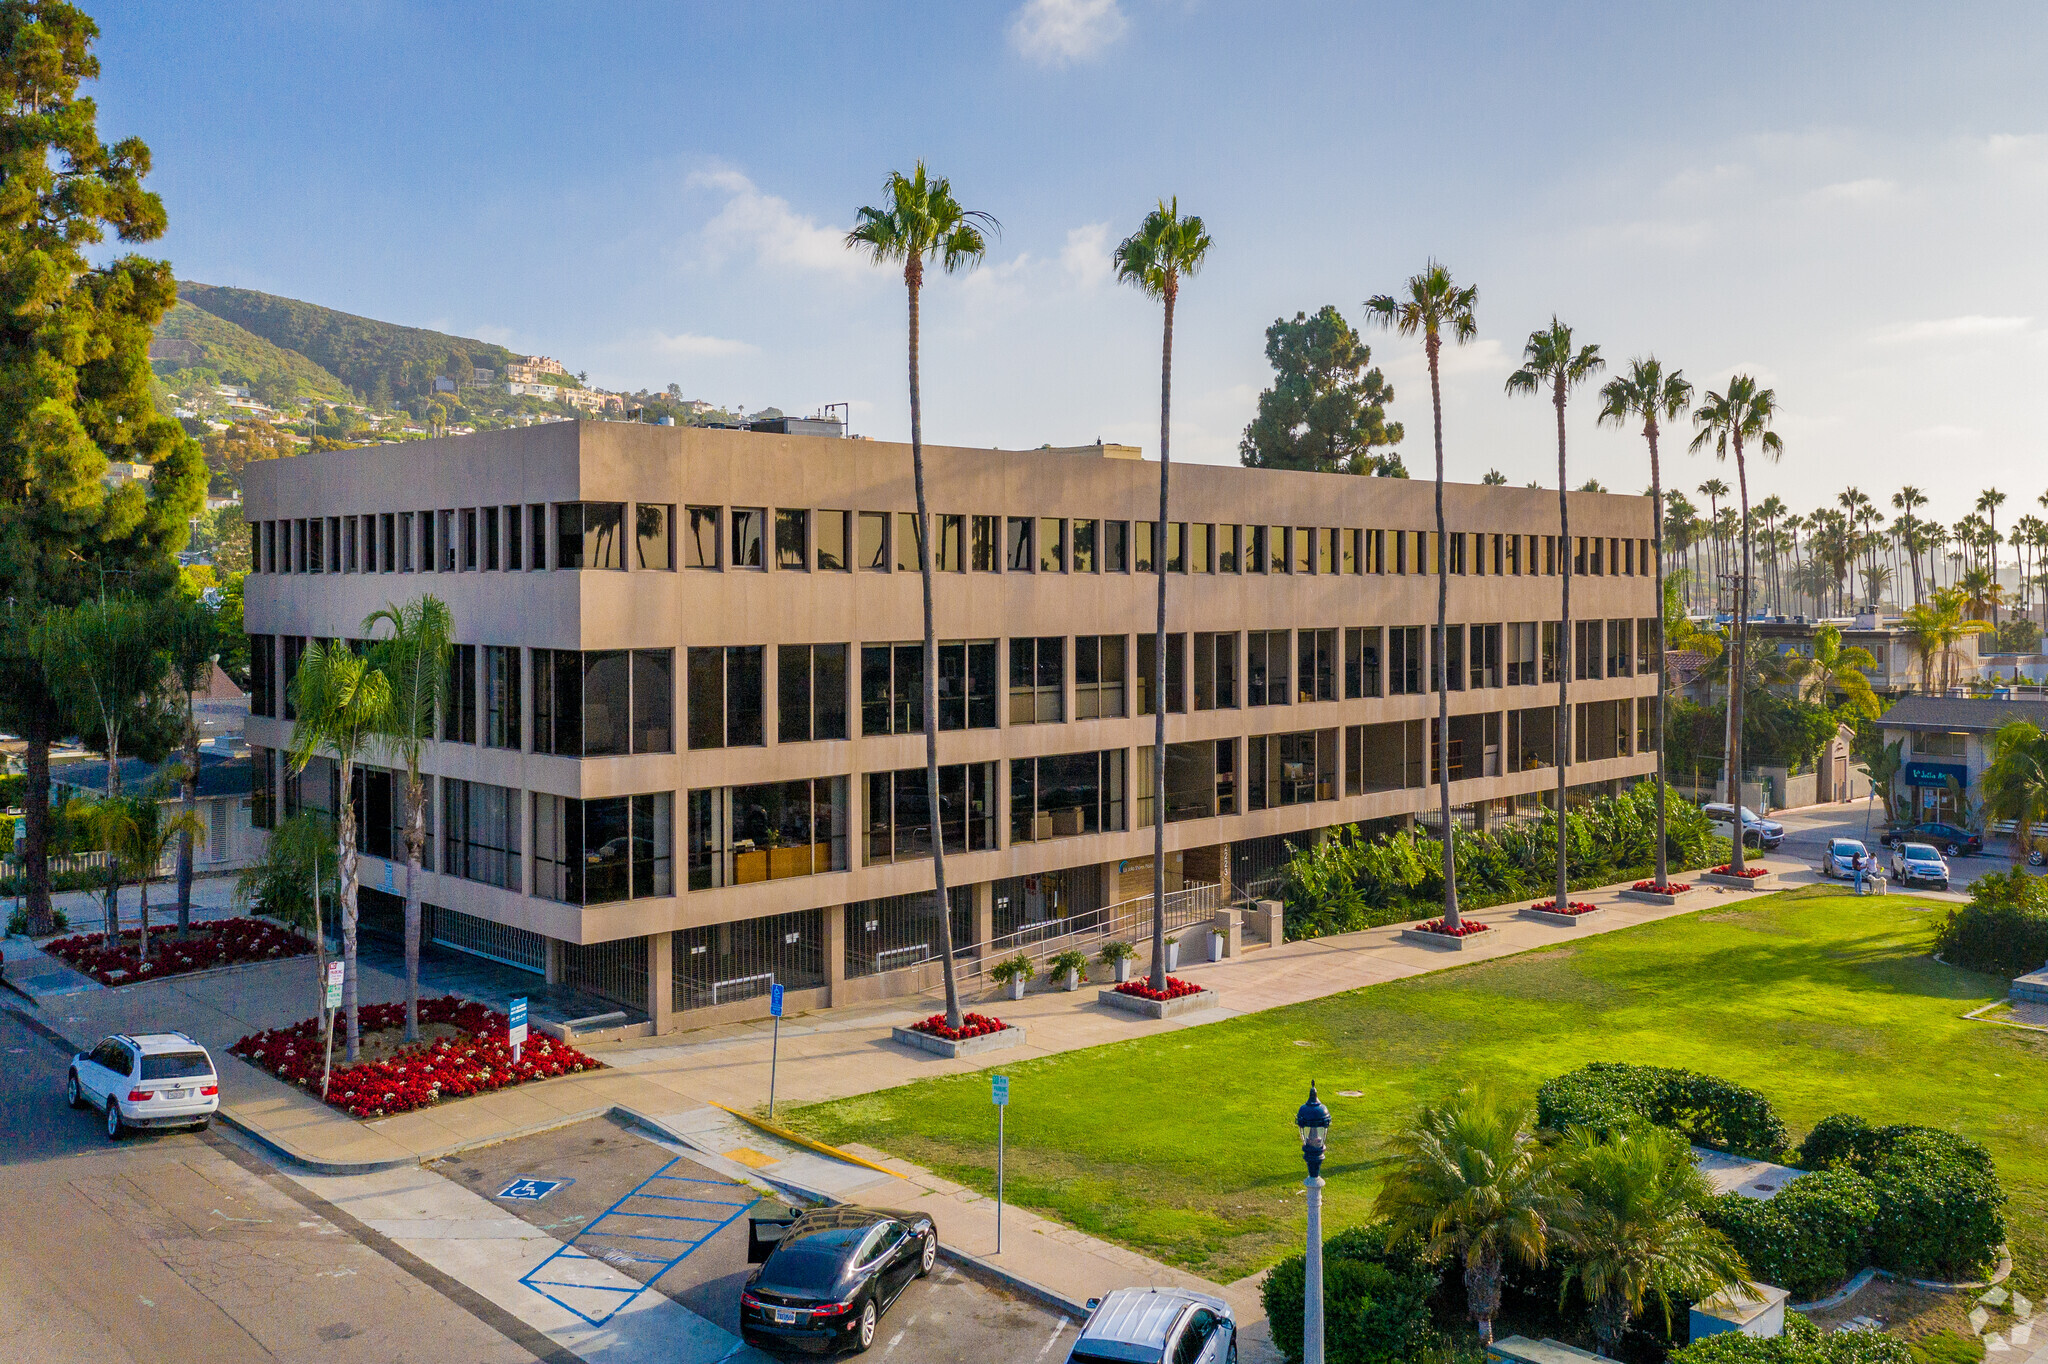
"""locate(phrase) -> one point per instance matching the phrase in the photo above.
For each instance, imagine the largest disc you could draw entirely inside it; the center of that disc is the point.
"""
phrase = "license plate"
(177, 1094)
(783, 1317)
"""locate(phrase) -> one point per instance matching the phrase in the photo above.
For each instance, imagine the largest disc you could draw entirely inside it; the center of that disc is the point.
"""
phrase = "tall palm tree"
(415, 658)
(1165, 249)
(343, 702)
(1432, 305)
(1647, 394)
(139, 830)
(1739, 415)
(1769, 511)
(193, 639)
(1838, 667)
(1934, 629)
(2016, 782)
(1550, 363)
(1977, 587)
(1470, 1178)
(1906, 501)
(1714, 490)
(1988, 502)
(1632, 1225)
(921, 221)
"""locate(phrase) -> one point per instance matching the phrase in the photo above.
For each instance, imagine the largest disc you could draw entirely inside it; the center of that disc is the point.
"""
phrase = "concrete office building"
(684, 753)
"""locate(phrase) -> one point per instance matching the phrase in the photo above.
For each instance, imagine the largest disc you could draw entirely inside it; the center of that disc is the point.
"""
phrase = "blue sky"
(1845, 199)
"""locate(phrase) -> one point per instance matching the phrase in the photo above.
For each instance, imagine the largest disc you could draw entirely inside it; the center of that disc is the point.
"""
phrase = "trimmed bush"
(1375, 1300)
(1710, 1111)
(1809, 1237)
(1802, 1343)
(1940, 1209)
(2003, 930)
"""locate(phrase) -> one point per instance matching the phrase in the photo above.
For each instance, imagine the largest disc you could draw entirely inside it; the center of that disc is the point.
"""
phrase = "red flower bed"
(1571, 907)
(1675, 888)
(222, 942)
(971, 1025)
(1463, 930)
(1176, 988)
(1748, 873)
(452, 1068)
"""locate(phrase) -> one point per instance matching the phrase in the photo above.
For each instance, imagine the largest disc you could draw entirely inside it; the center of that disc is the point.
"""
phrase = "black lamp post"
(1313, 1118)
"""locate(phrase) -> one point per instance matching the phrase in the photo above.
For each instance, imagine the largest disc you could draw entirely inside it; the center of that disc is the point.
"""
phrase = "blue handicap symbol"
(528, 1190)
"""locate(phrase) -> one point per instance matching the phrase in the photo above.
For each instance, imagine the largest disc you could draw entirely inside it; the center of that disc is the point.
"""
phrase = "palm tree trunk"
(113, 862)
(142, 946)
(1441, 750)
(185, 849)
(1158, 979)
(1482, 1288)
(35, 814)
(913, 276)
(1738, 665)
(1564, 655)
(348, 869)
(415, 849)
(1657, 646)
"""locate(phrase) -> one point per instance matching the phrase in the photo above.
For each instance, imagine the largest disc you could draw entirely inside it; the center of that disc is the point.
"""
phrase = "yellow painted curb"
(820, 1147)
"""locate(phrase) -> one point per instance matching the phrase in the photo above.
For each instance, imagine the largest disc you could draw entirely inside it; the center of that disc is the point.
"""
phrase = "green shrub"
(1375, 1300)
(17, 920)
(1709, 1110)
(2004, 928)
(1809, 1237)
(1802, 1343)
(1940, 1209)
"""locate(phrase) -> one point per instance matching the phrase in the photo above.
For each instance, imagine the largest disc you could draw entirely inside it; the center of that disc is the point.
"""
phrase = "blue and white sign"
(999, 1090)
(390, 882)
(527, 1189)
(516, 1033)
(1920, 773)
(775, 1000)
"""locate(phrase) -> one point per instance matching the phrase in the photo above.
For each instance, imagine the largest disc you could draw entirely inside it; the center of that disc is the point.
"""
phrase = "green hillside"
(364, 353)
(239, 355)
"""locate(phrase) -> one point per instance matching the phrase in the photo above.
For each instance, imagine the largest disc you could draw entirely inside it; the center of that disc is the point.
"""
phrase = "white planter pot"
(1123, 969)
(1215, 947)
(1017, 987)
(1072, 978)
(1173, 956)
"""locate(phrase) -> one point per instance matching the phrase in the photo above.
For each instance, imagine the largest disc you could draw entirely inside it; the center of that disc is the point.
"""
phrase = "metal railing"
(93, 861)
(1129, 921)
(1266, 888)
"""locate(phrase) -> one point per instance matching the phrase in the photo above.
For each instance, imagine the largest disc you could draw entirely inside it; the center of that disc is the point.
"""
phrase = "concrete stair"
(2031, 988)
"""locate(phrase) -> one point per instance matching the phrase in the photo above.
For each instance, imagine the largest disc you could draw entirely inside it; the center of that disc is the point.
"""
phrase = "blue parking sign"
(999, 1090)
(775, 1000)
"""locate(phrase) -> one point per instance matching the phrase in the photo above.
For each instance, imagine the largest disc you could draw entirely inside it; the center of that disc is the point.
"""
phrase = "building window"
(1532, 738)
(1038, 680)
(1603, 729)
(1066, 795)
(898, 814)
(832, 542)
(1404, 660)
(501, 698)
(723, 963)
(909, 539)
(1587, 653)
(469, 540)
(1052, 544)
(1521, 649)
(348, 542)
(1279, 549)
(983, 536)
(1621, 647)
(1646, 644)
(537, 536)
(592, 852)
(1020, 558)
(1101, 673)
(263, 676)
(1176, 673)
(1116, 546)
(967, 684)
(1386, 757)
(654, 536)
(1085, 560)
(951, 558)
(458, 709)
(1550, 650)
(1940, 745)
(1290, 769)
(1451, 666)
(892, 686)
(654, 700)
(587, 535)
(1227, 542)
(903, 930)
(262, 788)
(444, 540)
(1485, 656)
(792, 540)
(515, 559)
(1361, 662)
(1266, 666)
(748, 524)
(725, 697)
(1201, 780)
(1316, 665)
(700, 541)
(740, 834)
(874, 542)
(810, 692)
(1216, 670)
(388, 546)
(292, 648)
(481, 842)
(489, 516)
(603, 702)
(1200, 538)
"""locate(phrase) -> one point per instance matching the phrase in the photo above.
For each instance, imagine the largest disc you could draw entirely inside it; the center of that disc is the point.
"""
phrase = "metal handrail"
(1129, 919)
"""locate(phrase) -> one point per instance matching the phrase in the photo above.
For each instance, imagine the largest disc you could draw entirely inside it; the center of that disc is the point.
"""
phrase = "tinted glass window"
(806, 1265)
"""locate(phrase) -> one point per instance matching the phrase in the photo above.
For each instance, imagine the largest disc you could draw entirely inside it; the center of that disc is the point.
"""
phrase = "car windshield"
(1920, 852)
(1846, 847)
(176, 1065)
(1112, 1352)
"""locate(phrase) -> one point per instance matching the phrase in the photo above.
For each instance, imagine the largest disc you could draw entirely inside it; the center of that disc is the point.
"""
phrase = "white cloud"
(691, 346)
(767, 228)
(1973, 327)
(1871, 190)
(1944, 432)
(1085, 257)
(1058, 32)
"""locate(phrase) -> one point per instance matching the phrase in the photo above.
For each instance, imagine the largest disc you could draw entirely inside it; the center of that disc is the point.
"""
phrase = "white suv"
(158, 1079)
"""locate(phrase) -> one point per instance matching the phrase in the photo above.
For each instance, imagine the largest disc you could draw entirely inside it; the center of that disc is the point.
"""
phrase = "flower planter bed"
(977, 1032)
(1650, 892)
(1574, 912)
(1433, 934)
(1752, 878)
(475, 1060)
(1138, 997)
(222, 942)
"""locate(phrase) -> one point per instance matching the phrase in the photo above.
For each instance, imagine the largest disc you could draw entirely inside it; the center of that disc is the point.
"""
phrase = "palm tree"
(1469, 1177)
(1988, 502)
(1154, 259)
(2016, 782)
(920, 220)
(139, 830)
(1977, 588)
(1435, 304)
(1838, 667)
(1906, 501)
(1550, 363)
(1647, 393)
(343, 703)
(1714, 490)
(1741, 414)
(1934, 629)
(193, 638)
(1768, 511)
(415, 659)
(1633, 1229)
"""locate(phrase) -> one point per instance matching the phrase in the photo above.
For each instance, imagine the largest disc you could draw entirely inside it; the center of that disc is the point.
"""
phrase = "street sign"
(775, 1000)
(527, 1189)
(999, 1095)
(775, 1046)
(999, 1089)
(389, 884)
(333, 984)
(516, 1033)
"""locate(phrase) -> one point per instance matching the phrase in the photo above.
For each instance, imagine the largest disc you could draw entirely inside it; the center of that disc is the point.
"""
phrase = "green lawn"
(1182, 1146)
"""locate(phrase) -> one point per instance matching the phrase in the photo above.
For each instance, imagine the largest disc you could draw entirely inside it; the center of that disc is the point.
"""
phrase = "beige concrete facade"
(681, 607)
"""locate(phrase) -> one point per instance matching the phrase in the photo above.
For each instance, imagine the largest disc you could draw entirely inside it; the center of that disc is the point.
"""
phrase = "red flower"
(223, 942)
(971, 1025)
(1571, 907)
(1673, 888)
(1463, 930)
(1176, 988)
(1747, 873)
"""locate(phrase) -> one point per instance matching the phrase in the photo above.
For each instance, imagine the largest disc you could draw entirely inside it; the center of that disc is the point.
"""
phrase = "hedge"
(1940, 1213)
(1802, 1343)
(1375, 1300)
(1712, 1112)
(2003, 931)
(1809, 1237)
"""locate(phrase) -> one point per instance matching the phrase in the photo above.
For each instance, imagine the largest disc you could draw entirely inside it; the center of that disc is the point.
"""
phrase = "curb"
(820, 1147)
(314, 1165)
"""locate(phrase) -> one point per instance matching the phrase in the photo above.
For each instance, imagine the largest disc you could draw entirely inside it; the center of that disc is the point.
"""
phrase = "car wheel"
(866, 1334)
(929, 1256)
(1942, 886)
(71, 1093)
(115, 1127)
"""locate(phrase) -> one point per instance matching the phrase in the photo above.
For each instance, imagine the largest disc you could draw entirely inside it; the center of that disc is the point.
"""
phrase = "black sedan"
(828, 1275)
(1952, 839)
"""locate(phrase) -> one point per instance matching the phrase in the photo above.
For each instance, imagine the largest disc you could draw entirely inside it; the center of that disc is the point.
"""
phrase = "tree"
(191, 634)
(138, 830)
(1325, 411)
(1631, 1227)
(75, 380)
(343, 702)
(1934, 629)
(1714, 490)
(299, 851)
(1165, 249)
(1837, 667)
(1740, 415)
(1470, 1179)
(1494, 478)
(1647, 394)
(1550, 362)
(1906, 501)
(415, 659)
(1988, 502)
(920, 220)
(231, 451)
(2016, 782)
(1432, 305)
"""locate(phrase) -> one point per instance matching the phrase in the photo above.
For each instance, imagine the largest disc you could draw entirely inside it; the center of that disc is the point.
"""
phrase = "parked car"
(1156, 1326)
(1756, 830)
(1952, 839)
(1840, 858)
(157, 1079)
(1919, 864)
(828, 1275)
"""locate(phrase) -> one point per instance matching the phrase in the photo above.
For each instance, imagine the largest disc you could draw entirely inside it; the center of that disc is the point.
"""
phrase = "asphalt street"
(1808, 830)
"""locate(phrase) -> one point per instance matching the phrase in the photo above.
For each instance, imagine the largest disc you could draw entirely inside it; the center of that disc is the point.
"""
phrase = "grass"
(1180, 1145)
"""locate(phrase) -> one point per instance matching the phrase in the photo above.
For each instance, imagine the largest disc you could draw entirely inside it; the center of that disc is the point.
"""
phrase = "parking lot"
(678, 1227)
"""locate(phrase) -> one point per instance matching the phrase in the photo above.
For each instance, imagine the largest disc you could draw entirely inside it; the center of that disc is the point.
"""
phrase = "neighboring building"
(529, 370)
(1898, 666)
(120, 473)
(583, 399)
(1947, 738)
(685, 755)
(799, 426)
(233, 839)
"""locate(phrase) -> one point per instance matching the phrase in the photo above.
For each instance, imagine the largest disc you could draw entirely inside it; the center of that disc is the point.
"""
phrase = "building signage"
(1936, 774)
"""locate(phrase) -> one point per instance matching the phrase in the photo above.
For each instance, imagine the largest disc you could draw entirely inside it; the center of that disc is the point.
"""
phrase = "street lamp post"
(1313, 1119)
